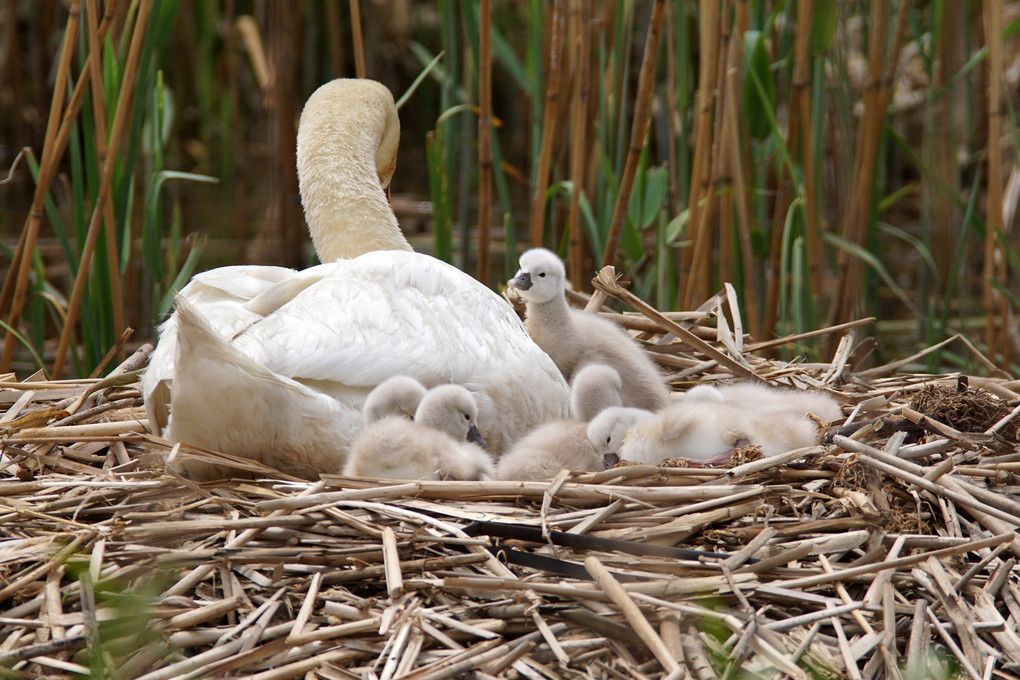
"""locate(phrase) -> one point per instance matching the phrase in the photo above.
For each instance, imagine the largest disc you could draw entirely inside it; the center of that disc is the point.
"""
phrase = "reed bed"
(889, 550)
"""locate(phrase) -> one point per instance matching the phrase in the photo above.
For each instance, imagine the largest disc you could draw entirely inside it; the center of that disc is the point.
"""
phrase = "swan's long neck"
(346, 208)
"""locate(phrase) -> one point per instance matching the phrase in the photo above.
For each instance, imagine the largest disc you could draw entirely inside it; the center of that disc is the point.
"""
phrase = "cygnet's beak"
(522, 281)
(610, 459)
(475, 436)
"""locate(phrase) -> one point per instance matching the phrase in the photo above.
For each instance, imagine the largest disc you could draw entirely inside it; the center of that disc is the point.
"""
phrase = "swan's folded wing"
(388, 313)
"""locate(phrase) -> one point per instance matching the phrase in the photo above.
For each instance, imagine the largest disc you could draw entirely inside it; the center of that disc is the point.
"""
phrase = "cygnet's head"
(594, 388)
(541, 276)
(396, 396)
(450, 409)
(607, 430)
(704, 393)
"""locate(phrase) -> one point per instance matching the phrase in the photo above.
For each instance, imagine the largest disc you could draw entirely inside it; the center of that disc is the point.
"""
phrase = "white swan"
(574, 338)
(336, 330)
(441, 443)
(564, 444)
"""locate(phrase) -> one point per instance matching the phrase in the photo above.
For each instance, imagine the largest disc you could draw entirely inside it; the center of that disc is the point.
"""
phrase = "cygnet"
(563, 444)
(396, 396)
(710, 423)
(607, 430)
(574, 338)
(595, 387)
(438, 444)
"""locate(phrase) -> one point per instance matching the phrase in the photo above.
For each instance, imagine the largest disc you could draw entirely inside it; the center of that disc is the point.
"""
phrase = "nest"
(885, 552)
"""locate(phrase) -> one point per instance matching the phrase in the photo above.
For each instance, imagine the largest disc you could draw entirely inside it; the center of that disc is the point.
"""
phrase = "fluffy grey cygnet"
(396, 396)
(574, 338)
(439, 444)
(563, 444)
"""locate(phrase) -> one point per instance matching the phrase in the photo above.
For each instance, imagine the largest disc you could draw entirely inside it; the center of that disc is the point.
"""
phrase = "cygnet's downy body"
(574, 338)
(710, 423)
(441, 443)
(563, 444)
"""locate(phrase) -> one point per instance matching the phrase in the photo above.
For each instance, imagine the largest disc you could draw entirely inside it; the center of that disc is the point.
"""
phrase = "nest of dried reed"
(889, 550)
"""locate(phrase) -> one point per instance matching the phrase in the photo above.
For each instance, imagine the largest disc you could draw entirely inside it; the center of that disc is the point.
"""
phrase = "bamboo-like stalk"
(120, 117)
(876, 100)
(739, 173)
(16, 282)
(552, 98)
(357, 43)
(730, 48)
(996, 307)
(638, 132)
(484, 136)
(798, 140)
(99, 107)
(708, 17)
(580, 31)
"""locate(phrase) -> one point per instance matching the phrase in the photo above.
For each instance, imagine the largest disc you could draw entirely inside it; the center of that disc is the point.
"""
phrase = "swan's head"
(348, 108)
(397, 396)
(346, 153)
(451, 409)
(541, 276)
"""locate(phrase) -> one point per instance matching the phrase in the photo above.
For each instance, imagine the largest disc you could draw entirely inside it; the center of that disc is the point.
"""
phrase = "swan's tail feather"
(227, 401)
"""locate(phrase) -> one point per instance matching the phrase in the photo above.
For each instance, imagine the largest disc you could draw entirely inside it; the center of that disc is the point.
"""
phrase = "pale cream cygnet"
(574, 338)
(564, 444)
(711, 422)
(441, 443)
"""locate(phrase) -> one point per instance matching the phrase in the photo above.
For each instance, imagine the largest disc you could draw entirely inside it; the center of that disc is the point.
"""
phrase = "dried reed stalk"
(484, 136)
(16, 282)
(638, 132)
(357, 42)
(120, 119)
(995, 267)
(549, 123)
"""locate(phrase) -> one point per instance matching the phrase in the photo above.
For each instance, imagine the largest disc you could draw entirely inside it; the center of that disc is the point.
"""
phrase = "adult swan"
(274, 364)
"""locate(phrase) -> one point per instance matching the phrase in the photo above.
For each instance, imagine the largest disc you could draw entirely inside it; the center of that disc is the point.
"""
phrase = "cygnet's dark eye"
(541, 274)
(609, 438)
(467, 416)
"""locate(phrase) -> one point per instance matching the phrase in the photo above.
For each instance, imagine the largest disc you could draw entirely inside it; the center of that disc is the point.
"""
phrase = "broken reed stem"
(611, 587)
(606, 281)
(638, 132)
